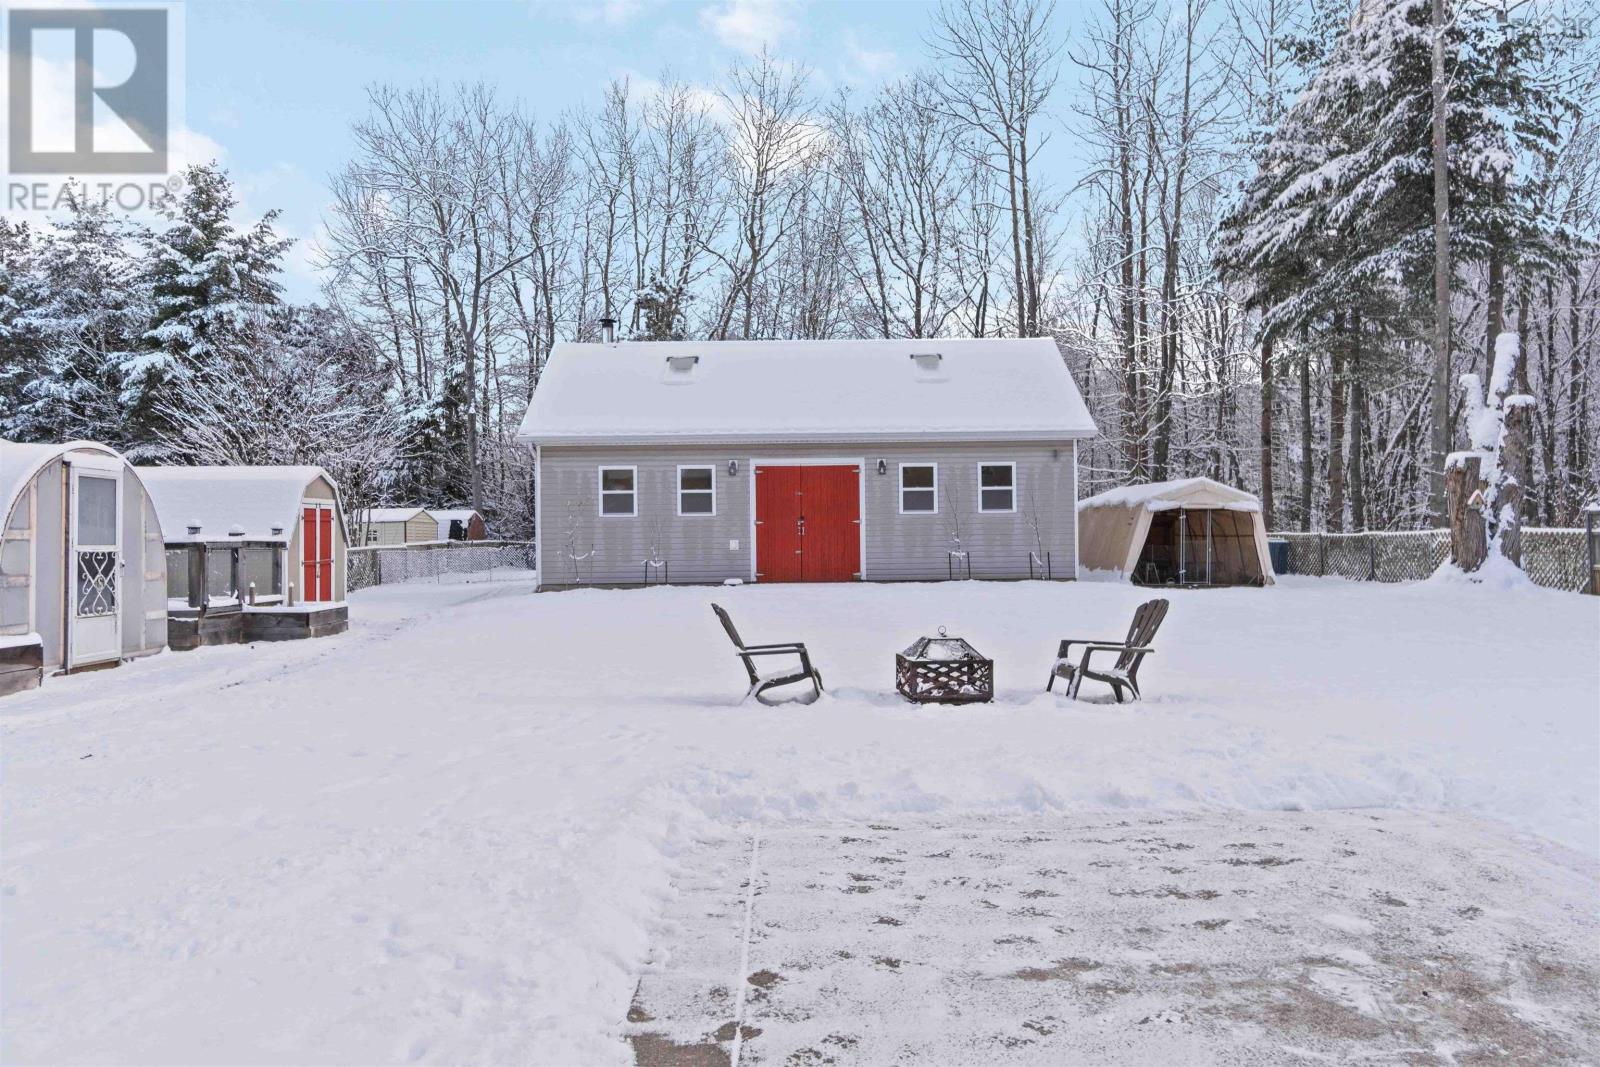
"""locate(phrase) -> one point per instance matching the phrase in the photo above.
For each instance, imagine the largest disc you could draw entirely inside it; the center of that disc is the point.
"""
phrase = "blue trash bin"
(1278, 549)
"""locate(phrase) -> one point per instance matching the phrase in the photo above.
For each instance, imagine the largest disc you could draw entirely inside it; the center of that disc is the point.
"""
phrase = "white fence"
(438, 561)
(1557, 558)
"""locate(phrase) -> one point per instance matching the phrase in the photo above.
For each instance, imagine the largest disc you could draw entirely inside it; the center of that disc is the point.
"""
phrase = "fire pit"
(943, 670)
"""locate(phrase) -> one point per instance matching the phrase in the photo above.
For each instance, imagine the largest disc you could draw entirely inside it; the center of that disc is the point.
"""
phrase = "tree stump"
(1469, 545)
(1514, 447)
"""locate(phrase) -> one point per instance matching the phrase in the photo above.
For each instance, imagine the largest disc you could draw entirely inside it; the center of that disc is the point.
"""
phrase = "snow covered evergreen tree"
(210, 283)
(1341, 203)
(81, 308)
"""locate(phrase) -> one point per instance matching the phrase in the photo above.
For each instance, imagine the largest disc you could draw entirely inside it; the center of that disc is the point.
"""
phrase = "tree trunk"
(1266, 430)
(1305, 438)
(1441, 268)
(1514, 454)
(1358, 431)
(1336, 418)
(1577, 413)
(1468, 542)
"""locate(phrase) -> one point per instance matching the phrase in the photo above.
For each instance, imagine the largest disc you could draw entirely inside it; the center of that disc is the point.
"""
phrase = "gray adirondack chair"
(1130, 653)
(761, 681)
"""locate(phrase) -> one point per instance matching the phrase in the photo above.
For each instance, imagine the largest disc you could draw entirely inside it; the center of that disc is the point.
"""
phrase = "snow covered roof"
(1182, 492)
(20, 462)
(372, 515)
(1000, 389)
(448, 515)
(229, 503)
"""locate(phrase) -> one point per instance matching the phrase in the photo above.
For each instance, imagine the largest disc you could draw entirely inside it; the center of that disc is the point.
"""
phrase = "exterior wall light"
(733, 467)
(883, 468)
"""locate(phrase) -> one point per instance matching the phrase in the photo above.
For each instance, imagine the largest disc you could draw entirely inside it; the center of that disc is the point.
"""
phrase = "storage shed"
(805, 461)
(1193, 531)
(253, 553)
(459, 524)
(398, 526)
(82, 572)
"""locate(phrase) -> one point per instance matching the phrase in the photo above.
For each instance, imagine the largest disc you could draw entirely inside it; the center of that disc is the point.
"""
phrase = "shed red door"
(325, 555)
(778, 511)
(808, 526)
(316, 553)
(308, 553)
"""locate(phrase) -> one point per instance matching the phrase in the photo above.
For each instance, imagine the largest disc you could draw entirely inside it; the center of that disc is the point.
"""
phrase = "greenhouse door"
(94, 621)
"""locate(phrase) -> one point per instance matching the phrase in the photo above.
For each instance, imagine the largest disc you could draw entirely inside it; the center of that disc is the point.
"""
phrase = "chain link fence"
(1557, 558)
(456, 561)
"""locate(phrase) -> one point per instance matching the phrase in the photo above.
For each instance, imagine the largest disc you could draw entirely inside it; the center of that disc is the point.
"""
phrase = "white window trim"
(711, 468)
(1012, 510)
(600, 487)
(900, 490)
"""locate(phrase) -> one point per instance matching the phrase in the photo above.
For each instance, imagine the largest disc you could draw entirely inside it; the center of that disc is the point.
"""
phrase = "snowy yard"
(467, 829)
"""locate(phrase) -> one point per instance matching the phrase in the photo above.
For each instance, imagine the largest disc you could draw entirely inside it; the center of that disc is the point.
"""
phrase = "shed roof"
(20, 462)
(230, 503)
(642, 392)
(1181, 492)
(446, 516)
(391, 514)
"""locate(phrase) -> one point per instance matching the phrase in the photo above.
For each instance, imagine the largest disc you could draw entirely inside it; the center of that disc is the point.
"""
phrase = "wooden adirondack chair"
(1146, 620)
(761, 682)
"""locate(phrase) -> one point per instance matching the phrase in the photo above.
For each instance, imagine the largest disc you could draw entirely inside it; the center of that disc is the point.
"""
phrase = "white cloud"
(866, 64)
(748, 25)
(609, 13)
(188, 147)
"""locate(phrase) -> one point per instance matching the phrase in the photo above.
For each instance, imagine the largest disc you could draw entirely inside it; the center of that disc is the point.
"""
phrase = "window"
(617, 494)
(178, 572)
(697, 491)
(919, 489)
(997, 487)
(97, 511)
(263, 566)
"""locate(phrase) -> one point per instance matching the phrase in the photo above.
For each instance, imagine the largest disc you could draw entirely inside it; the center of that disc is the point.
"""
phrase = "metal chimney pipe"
(608, 331)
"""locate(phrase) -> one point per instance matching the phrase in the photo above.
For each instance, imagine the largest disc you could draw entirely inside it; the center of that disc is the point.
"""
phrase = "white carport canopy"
(1113, 526)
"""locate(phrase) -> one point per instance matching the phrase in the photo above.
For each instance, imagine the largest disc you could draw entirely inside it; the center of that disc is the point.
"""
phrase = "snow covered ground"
(451, 834)
(1130, 938)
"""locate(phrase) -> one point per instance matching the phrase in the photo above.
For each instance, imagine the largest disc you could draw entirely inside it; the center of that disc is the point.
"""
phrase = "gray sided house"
(805, 461)
(82, 572)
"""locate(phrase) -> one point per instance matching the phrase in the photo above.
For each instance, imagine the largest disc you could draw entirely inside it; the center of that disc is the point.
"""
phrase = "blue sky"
(272, 88)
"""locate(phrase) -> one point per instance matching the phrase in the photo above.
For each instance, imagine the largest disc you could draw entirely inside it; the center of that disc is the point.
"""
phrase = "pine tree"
(21, 355)
(211, 284)
(84, 314)
(1341, 203)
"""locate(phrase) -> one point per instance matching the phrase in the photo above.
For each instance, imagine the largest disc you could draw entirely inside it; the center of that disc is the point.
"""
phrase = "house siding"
(580, 547)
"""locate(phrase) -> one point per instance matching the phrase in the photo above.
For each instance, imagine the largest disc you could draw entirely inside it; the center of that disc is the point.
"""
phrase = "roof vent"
(679, 370)
(193, 528)
(277, 528)
(236, 530)
(930, 366)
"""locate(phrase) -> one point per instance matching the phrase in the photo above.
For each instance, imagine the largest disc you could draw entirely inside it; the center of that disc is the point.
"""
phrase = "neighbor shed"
(253, 553)
(1193, 531)
(459, 524)
(398, 526)
(82, 572)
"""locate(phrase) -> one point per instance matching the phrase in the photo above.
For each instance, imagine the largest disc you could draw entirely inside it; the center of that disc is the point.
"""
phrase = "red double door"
(808, 523)
(316, 553)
